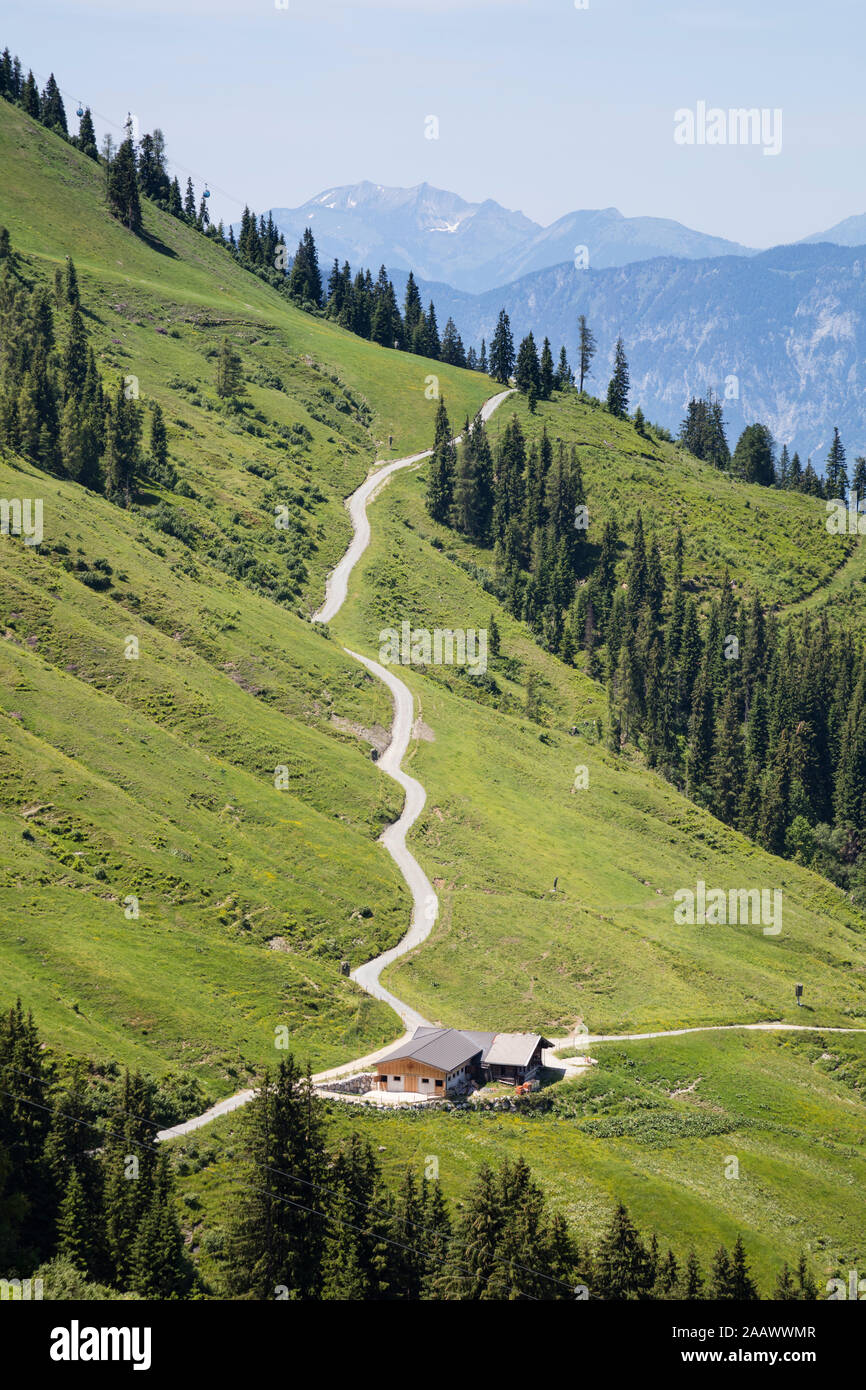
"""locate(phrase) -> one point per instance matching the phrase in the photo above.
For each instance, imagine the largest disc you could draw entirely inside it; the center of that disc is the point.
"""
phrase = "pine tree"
(24, 1123)
(229, 373)
(158, 440)
(527, 373)
(442, 474)
(431, 331)
(502, 350)
(835, 473)
(30, 97)
(742, 1285)
(564, 374)
(692, 1278)
(586, 351)
(475, 1271)
(623, 1265)
(412, 307)
(451, 349)
(129, 1162)
(123, 200)
(753, 459)
(473, 490)
(53, 113)
(122, 446)
(305, 280)
(159, 1268)
(276, 1225)
(728, 762)
(618, 388)
(547, 377)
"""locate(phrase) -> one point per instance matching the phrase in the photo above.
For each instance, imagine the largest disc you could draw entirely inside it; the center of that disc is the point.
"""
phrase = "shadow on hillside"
(156, 245)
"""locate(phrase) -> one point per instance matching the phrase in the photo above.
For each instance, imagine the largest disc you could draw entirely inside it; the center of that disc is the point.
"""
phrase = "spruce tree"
(618, 387)
(586, 351)
(623, 1266)
(276, 1225)
(229, 373)
(527, 373)
(835, 473)
(502, 350)
(443, 468)
(123, 200)
(547, 378)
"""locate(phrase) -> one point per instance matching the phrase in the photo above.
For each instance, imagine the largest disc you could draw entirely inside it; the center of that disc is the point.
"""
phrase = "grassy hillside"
(155, 777)
(655, 1124)
(502, 823)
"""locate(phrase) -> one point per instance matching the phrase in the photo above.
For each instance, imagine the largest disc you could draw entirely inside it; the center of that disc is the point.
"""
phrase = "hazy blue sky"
(541, 106)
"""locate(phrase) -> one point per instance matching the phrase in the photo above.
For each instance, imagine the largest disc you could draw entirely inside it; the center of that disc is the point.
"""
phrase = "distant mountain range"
(696, 311)
(782, 332)
(475, 246)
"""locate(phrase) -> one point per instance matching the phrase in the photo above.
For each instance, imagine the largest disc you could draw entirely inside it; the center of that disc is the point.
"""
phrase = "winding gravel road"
(425, 904)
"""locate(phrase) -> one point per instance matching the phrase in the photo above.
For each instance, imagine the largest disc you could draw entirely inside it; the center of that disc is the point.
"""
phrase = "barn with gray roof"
(438, 1062)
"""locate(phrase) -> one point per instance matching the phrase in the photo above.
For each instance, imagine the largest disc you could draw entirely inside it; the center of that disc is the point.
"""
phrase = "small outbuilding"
(438, 1062)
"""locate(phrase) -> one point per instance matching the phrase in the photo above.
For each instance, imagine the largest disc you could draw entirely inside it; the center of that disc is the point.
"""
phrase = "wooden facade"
(408, 1074)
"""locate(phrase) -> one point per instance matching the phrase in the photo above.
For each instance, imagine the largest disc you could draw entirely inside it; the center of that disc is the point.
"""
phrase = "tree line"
(312, 1223)
(763, 725)
(754, 459)
(54, 407)
(89, 1189)
(86, 1192)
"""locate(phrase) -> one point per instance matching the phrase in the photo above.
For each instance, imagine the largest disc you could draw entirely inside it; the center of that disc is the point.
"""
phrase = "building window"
(438, 1083)
(395, 1078)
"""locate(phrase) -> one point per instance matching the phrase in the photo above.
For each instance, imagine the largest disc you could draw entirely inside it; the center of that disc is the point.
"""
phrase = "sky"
(541, 105)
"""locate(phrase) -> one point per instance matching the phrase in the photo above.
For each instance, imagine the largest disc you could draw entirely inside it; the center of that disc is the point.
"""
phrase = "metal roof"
(442, 1048)
(447, 1048)
(512, 1049)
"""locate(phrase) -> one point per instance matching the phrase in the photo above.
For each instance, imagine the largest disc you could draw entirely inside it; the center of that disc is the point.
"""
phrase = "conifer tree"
(442, 474)
(835, 473)
(123, 433)
(547, 375)
(527, 373)
(276, 1228)
(618, 387)
(229, 372)
(123, 199)
(158, 440)
(53, 114)
(586, 351)
(502, 350)
(564, 374)
(412, 307)
(159, 1268)
(623, 1266)
(431, 332)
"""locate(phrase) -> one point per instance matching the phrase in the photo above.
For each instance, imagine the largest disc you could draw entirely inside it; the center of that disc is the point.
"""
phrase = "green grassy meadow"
(153, 779)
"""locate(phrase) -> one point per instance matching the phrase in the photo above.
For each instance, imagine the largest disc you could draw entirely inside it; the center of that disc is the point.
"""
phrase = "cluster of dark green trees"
(529, 504)
(764, 725)
(53, 407)
(754, 459)
(312, 1224)
(93, 1190)
(45, 106)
